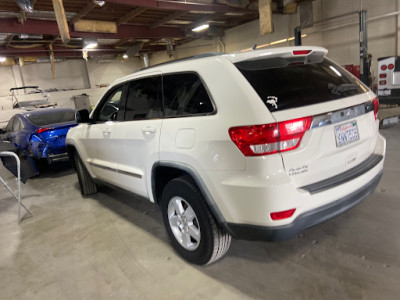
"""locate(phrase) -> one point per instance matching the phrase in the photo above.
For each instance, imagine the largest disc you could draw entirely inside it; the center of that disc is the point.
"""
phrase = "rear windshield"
(52, 118)
(289, 83)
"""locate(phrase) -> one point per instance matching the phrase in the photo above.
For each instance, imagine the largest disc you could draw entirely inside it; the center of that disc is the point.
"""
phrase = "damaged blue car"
(40, 134)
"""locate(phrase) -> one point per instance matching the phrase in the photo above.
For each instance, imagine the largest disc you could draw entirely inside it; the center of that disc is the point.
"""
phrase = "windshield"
(284, 85)
(52, 118)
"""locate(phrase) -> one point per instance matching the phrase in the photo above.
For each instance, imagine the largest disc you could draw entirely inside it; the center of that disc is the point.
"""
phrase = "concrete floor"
(114, 246)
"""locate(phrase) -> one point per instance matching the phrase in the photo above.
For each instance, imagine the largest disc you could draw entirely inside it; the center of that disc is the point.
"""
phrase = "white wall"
(108, 72)
(73, 78)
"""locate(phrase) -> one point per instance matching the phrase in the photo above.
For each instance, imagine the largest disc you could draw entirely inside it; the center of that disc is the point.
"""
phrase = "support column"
(364, 64)
(297, 36)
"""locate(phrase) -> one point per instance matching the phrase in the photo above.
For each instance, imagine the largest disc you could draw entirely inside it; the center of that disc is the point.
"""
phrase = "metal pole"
(297, 36)
(364, 65)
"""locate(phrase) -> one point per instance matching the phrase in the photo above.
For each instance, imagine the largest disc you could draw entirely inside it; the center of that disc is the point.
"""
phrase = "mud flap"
(27, 164)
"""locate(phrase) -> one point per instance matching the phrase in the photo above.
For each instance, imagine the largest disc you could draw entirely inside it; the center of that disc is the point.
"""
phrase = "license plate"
(384, 92)
(346, 134)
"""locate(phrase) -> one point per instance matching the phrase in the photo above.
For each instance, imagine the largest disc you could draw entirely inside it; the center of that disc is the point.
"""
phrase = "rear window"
(290, 83)
(52, 118)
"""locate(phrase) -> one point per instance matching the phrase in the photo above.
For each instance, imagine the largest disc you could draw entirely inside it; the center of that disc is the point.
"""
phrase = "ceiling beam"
(129, 16)
(180, 5)
(83, 12)
(8, 41)
(124, 31)
(58, 51)
(61, 20)
(168, 18)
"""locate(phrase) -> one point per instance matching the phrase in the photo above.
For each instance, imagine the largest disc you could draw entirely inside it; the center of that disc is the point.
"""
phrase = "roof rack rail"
(203, 55)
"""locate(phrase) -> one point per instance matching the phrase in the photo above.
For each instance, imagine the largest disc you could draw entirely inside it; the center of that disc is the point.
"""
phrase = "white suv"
(257, 145)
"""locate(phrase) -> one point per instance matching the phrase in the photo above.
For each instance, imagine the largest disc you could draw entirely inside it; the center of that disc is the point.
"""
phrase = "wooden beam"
(121, 42)
(131, 15)
(61, 20)
(8, 41)
(53, 62)
(83, 12)
(168, 18)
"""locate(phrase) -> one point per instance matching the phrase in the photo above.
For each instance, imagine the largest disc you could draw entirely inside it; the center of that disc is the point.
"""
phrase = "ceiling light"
(99, 3)
(2, 59)
(90, 46)
(89, 43)
(200, 28)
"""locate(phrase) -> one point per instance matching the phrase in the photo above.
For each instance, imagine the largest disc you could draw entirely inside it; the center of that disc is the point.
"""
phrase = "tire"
(191, 227)
(86, 183)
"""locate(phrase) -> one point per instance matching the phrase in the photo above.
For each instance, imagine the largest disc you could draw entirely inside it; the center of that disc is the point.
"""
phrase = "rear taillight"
(382, 82)
(391, 66)
(271, 138)
(375, 101)
(301, 52)
(383, 67)
(383, 75)
(40, 130)
(282, 214)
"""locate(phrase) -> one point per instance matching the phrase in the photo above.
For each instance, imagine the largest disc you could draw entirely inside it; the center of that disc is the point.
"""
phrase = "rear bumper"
(305, 220)
(53, 158)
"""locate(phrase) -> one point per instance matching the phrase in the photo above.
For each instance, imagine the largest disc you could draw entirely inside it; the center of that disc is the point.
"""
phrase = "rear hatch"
(53, 126)
(303, 87)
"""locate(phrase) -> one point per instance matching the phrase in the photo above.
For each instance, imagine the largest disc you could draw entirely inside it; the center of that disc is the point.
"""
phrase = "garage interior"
(113, 244)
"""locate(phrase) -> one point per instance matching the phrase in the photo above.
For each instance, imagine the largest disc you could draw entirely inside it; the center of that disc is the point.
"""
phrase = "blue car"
(40, 134)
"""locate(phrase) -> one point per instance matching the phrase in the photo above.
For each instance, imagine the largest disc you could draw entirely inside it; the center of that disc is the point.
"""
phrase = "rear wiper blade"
(344, 88)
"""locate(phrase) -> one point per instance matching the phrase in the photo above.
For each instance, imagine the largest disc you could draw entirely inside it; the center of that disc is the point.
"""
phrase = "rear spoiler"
(284, 52)
(292, 56)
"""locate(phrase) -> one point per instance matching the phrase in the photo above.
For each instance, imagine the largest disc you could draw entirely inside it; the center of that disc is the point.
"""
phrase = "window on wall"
(144, 99)
(185, 94)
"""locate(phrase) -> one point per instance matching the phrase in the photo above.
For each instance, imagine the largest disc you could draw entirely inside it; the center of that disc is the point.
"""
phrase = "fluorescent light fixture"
(200, 28)
(2, 59)
(125, 56)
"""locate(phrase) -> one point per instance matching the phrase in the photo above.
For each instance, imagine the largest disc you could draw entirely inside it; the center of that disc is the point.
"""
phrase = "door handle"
(106, 131)
(149, 130)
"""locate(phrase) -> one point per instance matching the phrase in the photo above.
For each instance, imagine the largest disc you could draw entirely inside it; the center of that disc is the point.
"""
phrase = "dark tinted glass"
(284, 84)
(110, 107)
(52, 118)
(144, 99)
(185, 94)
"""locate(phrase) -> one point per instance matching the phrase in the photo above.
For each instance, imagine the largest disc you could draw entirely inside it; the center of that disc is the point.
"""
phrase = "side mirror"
(82, 116)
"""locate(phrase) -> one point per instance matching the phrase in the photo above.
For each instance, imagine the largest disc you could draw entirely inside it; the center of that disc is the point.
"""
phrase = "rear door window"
(184, 95)
(290, 83)
(144, 99)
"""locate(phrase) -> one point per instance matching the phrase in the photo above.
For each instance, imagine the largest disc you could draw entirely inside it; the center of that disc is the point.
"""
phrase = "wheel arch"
(164, 172)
